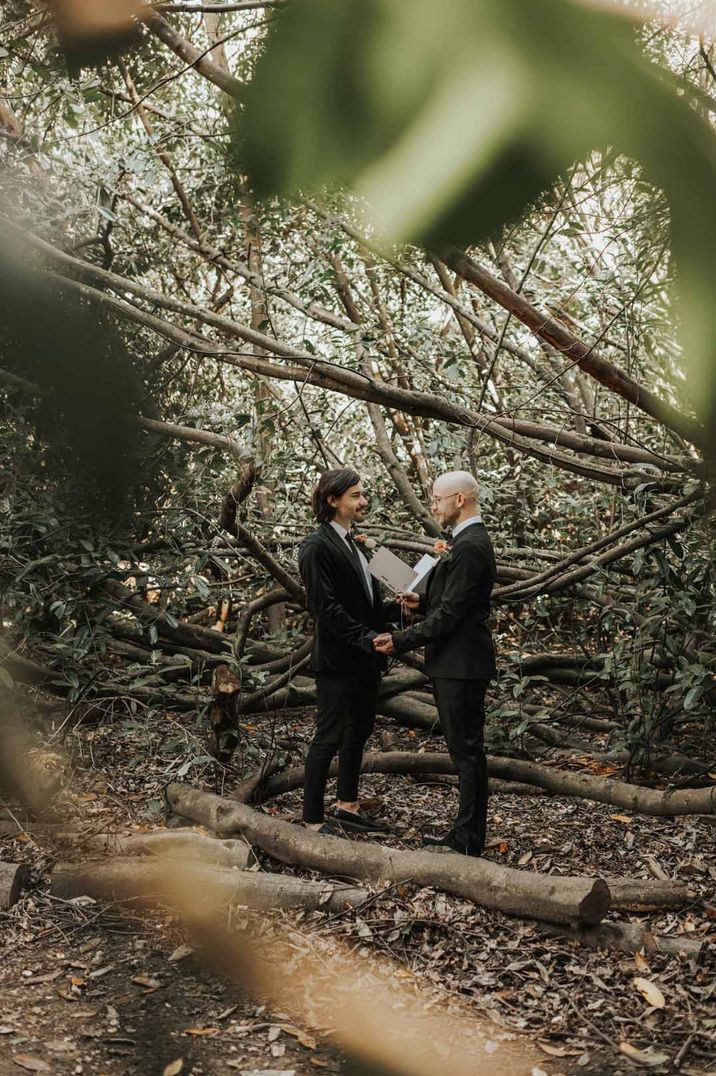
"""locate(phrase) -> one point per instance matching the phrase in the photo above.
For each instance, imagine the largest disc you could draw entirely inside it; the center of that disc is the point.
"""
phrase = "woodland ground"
(90, 989)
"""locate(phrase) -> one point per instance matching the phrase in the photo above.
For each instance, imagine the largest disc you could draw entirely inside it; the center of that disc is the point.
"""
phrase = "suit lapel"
(335, 538)
(439, 572)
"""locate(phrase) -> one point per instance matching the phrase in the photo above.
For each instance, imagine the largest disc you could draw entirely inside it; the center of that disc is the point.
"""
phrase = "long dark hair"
(332, 484)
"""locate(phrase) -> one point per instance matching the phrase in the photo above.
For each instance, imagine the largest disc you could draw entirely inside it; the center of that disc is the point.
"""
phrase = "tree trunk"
(410, 712)
(522, 893)
(149, 881)
(224, 712)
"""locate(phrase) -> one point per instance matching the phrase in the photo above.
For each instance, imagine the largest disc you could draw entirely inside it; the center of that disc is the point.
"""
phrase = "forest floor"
(89, 988)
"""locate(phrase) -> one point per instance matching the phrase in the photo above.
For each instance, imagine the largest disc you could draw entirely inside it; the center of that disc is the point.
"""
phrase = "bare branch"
(545, 327)
(192, 56)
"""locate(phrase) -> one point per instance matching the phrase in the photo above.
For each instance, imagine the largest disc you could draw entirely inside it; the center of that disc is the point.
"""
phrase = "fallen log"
(277, 596)
(560, 782)
(251, 702)
(627, 938)
(157, 880)
(288, 661)
(523, 893)
(647, 894)
(13, 879)
(411, 713)
(398, 682)
(578, 721)
(407, 762)
(178, 842)
(250, 790)
(272, 780)
(181, 632)
(494, 785)
(299, 692)
(604, 790)
(183, 844)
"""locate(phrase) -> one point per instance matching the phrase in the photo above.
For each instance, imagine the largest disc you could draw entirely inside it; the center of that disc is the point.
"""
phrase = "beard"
(451, 519)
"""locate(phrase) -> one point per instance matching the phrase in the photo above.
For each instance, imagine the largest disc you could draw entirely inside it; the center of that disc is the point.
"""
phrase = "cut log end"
(13, 879)
(595, 904)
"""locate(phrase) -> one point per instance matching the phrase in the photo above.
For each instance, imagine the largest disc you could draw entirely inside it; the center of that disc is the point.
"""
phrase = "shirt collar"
(465, 523)
(339, 529)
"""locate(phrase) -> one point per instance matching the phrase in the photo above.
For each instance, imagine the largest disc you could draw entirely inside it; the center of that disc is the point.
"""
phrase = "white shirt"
(465, 523)
(364, 563)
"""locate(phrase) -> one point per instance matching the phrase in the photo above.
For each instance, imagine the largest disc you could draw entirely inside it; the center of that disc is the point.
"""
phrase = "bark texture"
(148, 881)
(522, 893)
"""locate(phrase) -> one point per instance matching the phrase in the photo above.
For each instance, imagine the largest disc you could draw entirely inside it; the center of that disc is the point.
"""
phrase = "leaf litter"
(584, 1010)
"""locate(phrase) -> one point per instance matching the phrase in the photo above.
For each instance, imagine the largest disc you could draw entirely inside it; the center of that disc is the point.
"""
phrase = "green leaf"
(692, 696)
(200, 586)
(450, 119)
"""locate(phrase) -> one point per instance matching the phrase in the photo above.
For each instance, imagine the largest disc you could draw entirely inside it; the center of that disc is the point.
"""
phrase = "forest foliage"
(172, 312)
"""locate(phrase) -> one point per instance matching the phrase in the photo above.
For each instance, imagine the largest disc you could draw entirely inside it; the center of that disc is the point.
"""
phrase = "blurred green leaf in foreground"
(450, 119)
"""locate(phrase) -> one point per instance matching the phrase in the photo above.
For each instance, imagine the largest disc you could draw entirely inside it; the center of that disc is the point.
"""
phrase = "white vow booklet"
(396, 574)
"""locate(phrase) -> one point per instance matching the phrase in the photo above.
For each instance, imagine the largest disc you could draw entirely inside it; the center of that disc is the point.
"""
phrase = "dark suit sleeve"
(324, 604)
(468, 575)
(392, 612)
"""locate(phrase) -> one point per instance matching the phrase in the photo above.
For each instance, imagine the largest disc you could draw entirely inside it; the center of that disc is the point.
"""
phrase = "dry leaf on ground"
(643, 1057)
(651, 992)
(31, 1063)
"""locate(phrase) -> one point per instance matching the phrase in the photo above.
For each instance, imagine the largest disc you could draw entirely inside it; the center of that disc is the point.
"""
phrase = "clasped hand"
(383, 643)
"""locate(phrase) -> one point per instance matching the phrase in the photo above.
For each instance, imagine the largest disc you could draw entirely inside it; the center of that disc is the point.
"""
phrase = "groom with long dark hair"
(348, 613)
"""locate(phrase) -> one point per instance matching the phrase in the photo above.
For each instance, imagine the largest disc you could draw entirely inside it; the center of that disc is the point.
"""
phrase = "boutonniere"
(442, 549)
(366, 545)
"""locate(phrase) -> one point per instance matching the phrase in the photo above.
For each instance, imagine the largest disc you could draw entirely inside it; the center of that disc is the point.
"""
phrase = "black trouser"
(461, 706)
(345, 717)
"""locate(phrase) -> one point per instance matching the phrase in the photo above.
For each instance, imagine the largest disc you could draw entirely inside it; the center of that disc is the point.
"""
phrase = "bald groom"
(459, 655)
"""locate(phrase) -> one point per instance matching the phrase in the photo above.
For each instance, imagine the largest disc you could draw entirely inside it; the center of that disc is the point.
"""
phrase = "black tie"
(358, 563)
(446, 535)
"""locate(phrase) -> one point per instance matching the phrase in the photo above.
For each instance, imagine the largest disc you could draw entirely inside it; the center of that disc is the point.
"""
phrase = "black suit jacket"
(455, 633)
(345, 621)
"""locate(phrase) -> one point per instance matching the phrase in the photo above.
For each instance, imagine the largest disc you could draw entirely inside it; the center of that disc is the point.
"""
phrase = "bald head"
(454, 498)
(456, 482)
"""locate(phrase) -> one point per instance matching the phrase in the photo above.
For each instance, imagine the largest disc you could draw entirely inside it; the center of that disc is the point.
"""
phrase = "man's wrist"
(398, 637)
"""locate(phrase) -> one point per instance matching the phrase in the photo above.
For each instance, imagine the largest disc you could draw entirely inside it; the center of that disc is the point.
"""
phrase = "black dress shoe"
(450, 843)
(358, 822)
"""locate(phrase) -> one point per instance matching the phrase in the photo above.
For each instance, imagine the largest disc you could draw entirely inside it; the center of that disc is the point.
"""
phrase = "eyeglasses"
(445, 496)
